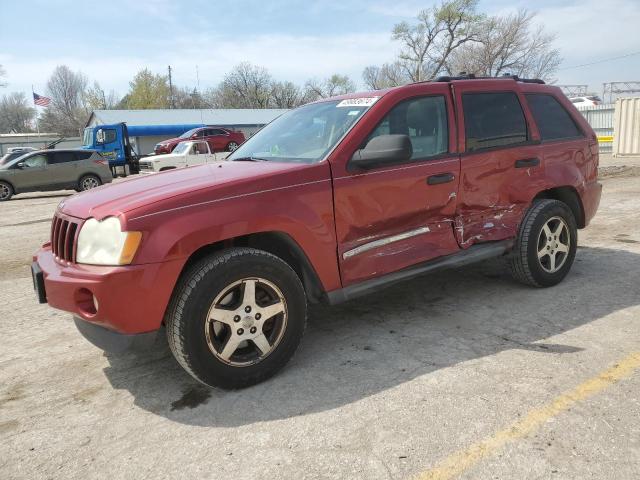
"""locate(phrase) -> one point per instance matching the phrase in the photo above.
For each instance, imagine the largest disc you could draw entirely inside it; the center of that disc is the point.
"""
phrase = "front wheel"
(546, 245)
(236, 317)
(6, 191)
(232, 146)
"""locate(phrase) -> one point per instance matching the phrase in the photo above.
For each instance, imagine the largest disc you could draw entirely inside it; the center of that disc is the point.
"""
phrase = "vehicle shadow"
(377, 342)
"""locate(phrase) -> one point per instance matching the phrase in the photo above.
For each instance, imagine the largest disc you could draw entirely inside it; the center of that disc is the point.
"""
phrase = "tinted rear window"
(83, 155)
(553, 121)
(61, 157)
(493, 120)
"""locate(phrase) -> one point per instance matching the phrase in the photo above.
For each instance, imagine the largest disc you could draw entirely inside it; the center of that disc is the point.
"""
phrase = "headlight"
(103, 243)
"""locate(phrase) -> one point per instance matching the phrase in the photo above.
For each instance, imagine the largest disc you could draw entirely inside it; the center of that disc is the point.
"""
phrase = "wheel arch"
(277, 243)
(568, 195)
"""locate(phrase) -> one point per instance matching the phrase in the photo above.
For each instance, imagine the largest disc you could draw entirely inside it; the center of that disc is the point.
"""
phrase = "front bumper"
(126, 300)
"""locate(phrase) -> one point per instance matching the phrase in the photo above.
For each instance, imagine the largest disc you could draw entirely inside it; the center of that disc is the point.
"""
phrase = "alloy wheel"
(246, 322)
(5, 191)
(89, 183)
(554, 243)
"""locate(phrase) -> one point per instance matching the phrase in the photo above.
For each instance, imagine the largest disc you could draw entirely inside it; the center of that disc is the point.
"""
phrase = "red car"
(331, 201)
(219, 139)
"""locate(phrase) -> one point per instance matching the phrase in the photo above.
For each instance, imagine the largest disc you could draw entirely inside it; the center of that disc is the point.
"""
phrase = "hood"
(152, 193)
(160, 158)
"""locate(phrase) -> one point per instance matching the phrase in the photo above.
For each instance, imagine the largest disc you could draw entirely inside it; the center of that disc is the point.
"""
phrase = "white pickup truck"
(186, 154)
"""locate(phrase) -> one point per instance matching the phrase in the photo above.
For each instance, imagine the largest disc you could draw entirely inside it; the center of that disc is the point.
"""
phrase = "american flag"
(40, 100)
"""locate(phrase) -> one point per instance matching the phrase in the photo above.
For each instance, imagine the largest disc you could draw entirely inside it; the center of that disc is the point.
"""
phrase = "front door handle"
(527, 162)
(440, 178)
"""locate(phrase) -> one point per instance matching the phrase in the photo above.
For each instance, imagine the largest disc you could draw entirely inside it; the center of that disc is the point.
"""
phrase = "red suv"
(331, 201)
(219, 139)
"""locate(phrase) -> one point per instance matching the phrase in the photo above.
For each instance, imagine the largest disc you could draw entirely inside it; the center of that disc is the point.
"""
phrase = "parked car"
(219, 139)
(15, 152)
(186, 154)
(45, 170)
(332, 200)
(585, 102)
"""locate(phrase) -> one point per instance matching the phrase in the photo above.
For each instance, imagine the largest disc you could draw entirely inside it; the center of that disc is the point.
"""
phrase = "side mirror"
(21, 165)
(382, 150)
(100, 137)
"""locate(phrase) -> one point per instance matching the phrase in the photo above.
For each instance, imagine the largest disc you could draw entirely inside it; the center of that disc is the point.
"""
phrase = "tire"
(202, 347)
(6, 191)
(88, 182)
(542, 258)
(232, 146)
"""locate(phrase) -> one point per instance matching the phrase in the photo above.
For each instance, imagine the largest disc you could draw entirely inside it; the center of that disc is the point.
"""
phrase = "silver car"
(45, 170)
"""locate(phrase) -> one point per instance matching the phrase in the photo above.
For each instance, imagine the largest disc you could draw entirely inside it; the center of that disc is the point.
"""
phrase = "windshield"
(8, 159)
(181, 148)
(188, 133)
(87, 138)
(306, 134)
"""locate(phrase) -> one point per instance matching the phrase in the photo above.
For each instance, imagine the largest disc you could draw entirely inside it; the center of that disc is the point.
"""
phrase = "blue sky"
(295, 40)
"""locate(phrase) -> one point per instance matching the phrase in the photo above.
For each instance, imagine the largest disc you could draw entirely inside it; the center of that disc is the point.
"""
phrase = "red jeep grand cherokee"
(219, 139)
(331, 201)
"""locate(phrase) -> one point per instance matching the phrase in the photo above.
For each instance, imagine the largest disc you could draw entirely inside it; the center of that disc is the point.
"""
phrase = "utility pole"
(171, 105)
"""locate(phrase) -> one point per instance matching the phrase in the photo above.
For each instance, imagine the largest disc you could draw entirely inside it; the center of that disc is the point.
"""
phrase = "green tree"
(148, 90)
(438, 32)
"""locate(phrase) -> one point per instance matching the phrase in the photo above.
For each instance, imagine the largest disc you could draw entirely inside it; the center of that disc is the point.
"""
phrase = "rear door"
(397, 215)
(217, 139)
(500, 163)
(63, 168)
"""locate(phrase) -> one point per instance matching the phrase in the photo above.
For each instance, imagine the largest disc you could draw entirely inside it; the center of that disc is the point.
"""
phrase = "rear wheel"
(88, 182)
(546, 245)
(231, 146)
(6, 191)
(236, 317)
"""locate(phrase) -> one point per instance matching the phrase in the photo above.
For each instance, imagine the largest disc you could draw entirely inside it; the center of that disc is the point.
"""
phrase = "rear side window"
(83, 155)
(553, 121)
(424, 120)
(493, 120)
(61, 157)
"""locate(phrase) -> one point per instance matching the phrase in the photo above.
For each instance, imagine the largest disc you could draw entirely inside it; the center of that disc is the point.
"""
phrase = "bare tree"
(66, 113)
(334, 85)
(16, 114)
(245, 86)
(3, 74)
(386, 76)
(440, 30)
(509, 44)
(286, 95)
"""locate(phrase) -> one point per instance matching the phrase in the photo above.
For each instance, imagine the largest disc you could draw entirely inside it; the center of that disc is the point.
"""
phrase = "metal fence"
(600, 117)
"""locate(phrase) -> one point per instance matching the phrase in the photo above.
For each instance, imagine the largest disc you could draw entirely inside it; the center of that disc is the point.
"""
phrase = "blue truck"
(123, 145)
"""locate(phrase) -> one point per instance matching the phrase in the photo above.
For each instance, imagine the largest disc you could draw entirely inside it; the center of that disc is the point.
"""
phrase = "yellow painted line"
(605, 139)
(461, 461)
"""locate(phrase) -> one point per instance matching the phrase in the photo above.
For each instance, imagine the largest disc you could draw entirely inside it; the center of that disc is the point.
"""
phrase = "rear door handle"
(527, 162)
(440, 178)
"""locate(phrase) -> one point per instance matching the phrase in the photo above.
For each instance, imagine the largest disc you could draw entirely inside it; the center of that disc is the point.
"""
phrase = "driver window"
(202, 147)
(36, 161)
(194, 149)
(424, 120)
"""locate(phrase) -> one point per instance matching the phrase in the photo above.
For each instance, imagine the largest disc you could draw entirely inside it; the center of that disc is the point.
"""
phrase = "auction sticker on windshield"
(358, 102)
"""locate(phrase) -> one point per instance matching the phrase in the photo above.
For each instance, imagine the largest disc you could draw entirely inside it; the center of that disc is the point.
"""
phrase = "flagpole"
(33, 95)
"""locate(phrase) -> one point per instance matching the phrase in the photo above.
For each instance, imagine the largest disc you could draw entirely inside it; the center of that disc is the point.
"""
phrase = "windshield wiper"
(249, 159)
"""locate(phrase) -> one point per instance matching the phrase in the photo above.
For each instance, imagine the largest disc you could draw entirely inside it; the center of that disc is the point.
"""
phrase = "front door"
(32, 173)
(397, 215)
(500, 162)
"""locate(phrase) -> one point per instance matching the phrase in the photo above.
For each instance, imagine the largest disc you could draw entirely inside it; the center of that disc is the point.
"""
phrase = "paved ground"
(461, 374)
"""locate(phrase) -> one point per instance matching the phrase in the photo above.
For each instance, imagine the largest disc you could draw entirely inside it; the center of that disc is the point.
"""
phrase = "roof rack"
(471, 76)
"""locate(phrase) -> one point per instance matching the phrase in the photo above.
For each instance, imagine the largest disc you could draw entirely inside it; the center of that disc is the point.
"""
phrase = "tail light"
(101, 162)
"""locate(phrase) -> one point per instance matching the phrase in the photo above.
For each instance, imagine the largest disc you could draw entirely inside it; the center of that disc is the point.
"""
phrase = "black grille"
(63, 238)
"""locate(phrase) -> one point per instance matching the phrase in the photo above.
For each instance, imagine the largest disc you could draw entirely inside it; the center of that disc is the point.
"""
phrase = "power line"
(601, 61)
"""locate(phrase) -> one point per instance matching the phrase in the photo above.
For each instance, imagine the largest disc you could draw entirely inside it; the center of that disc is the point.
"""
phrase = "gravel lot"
(463, 374)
